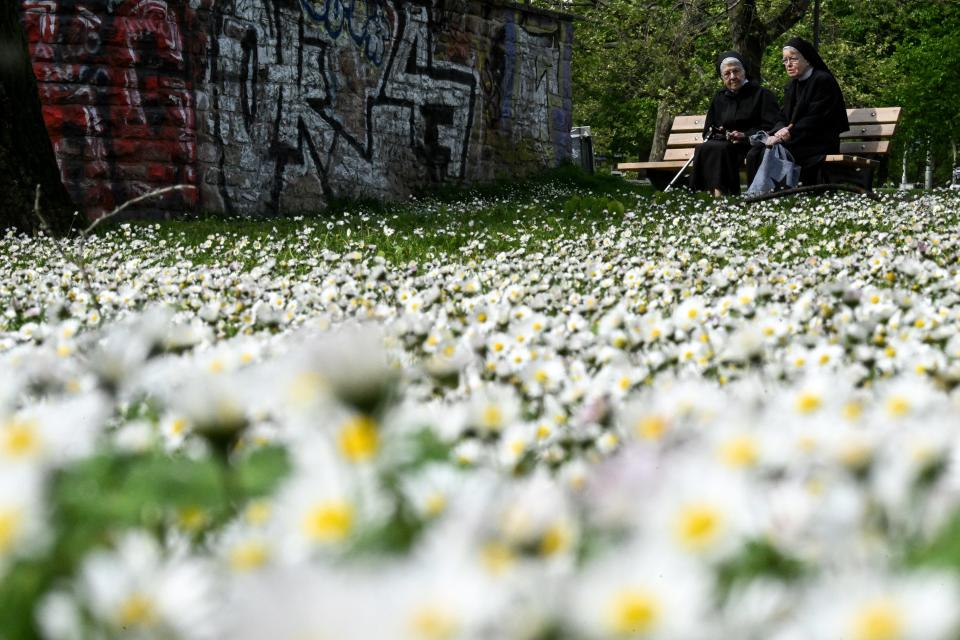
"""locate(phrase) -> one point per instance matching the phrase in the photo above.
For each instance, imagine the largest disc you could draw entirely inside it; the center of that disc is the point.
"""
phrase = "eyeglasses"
(730, 73)
(787, 61)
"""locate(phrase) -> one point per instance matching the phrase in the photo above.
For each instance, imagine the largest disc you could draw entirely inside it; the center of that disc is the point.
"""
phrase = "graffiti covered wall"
(277, 106)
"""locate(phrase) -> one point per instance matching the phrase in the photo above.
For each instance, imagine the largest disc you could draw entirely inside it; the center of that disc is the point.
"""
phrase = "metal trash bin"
(582, 148)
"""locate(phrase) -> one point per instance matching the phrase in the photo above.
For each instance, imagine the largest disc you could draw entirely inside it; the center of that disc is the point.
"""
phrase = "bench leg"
(861, 177)
(660, 178)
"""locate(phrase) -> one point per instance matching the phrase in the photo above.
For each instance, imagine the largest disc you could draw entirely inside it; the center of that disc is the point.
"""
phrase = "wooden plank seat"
(863, 149)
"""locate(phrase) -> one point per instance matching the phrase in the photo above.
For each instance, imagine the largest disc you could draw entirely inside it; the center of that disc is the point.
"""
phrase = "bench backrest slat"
(870, 132)
(684, 139)
(680, 153)
(880, 147)
(868, 115)
(688, 124)
(865, 132)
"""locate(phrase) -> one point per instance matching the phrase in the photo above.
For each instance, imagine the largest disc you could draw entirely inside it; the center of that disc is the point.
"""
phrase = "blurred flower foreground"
(618, 434)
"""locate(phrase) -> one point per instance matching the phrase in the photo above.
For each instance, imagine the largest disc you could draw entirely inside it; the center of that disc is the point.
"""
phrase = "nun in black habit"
(741, 108)
(814, 113)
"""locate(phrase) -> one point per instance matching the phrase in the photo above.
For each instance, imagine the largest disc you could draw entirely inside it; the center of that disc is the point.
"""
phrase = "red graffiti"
(117, 84)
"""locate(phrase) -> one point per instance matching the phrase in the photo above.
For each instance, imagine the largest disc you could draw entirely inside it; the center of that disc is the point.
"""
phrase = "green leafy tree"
(928, 70)
(638, 64)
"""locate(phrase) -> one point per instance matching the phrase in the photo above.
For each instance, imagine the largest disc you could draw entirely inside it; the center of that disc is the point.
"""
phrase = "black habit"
(716, 163)
(816, 109)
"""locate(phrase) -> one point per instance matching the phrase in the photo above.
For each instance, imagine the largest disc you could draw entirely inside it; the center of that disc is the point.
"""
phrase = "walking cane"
(679, 173)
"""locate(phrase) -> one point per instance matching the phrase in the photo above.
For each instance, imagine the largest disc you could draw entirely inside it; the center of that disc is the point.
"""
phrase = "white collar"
(806, 74)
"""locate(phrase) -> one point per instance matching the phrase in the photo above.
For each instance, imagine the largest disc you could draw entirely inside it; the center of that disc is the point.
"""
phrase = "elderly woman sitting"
(738, 110)
(814, 113)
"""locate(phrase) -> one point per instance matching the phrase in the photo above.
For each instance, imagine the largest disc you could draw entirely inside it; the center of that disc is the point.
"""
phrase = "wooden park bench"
(863, 149)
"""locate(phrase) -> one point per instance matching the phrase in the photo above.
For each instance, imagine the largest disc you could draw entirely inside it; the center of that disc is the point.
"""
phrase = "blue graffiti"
(372, 34)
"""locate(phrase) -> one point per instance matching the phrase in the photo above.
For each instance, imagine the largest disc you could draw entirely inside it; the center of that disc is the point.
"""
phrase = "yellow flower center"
(329, 522)
(136, 611)
(359, 440)
(435, 504)
(497, 557)
(651, 427)
(808, 402)
(257, 512)
(898, 406)
(633, 611)
(741, 451)
(852, 410)
(492, 417)
(10, 522)
(192, 518)
(248, 555)
(555, 540)
(178, 426)
(433, 623)
(698, 525)
(879, 620)
(305, 387)
(20, 438)
(856, 454)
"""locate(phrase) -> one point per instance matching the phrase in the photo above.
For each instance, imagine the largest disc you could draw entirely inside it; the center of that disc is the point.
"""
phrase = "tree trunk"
(752, 35)
(26, 154)
(955, 175)
(661, 130)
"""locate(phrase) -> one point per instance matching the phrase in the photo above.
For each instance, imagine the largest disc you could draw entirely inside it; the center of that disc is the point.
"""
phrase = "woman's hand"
(736, 136)
(783, 135)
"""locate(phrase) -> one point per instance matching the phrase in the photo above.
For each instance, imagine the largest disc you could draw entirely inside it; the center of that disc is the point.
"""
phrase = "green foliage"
(630, 57)
(101, 496)
(942, 551)
(758, 558)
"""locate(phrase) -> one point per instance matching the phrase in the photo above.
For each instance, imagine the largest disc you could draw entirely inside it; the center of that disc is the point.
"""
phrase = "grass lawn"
(565, 408)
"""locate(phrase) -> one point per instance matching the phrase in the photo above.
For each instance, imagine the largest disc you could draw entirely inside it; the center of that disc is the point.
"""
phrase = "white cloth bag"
(777, 169)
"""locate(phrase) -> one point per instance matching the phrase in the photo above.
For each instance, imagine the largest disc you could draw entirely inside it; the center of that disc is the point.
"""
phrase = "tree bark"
(26, 153)
(955, 174)
(661, 130)
(752, 35)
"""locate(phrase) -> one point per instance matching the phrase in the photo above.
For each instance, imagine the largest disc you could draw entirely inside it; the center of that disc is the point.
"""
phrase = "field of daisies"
(566, 410)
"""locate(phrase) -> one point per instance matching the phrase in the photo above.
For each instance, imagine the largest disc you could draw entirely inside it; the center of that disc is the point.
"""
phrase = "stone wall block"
(210, 103)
